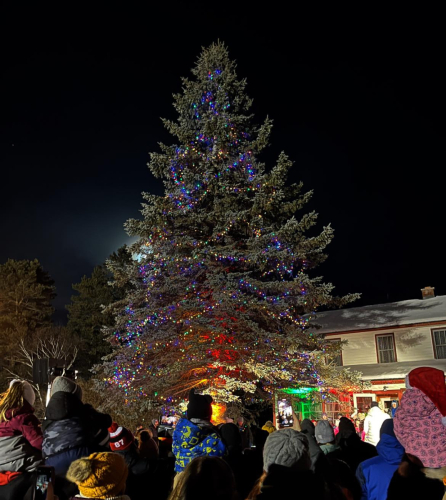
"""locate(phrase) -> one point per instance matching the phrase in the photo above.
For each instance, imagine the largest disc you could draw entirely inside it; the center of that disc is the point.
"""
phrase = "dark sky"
(359, 106)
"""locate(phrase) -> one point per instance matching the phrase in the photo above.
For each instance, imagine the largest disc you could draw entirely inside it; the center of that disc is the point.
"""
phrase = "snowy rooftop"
(406, 312)
(384, 371)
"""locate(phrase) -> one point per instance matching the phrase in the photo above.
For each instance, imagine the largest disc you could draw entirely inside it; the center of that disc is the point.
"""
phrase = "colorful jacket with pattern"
(191, 440)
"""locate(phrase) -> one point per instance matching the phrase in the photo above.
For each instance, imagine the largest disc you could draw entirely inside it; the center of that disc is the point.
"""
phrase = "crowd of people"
(402, 455)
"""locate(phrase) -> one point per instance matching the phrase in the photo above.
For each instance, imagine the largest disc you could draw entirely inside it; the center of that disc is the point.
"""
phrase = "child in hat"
(196, 436)
(20, 433)
(100, 476)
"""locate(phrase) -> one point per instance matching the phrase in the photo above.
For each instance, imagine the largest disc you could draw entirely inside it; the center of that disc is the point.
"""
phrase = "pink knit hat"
(419, 422)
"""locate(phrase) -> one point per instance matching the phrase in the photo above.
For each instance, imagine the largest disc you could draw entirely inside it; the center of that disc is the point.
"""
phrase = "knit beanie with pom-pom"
(101, 475)
(65, 384)
(28, 391)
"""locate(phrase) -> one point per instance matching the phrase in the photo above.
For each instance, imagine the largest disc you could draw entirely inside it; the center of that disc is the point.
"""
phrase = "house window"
(363, 404)
(337, 359)
(439, 338)
(385, 346)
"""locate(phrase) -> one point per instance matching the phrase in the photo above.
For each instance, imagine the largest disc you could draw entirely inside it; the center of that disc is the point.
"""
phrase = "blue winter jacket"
(191, 441)
(375, 473)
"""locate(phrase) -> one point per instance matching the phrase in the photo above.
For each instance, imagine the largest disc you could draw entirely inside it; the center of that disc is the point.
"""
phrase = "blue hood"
(191, 441)
(390, 449)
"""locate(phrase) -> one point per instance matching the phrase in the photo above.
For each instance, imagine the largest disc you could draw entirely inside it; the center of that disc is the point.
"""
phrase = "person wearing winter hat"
(318, 461)
(120, 438)
(196, 436)
(20, 432)
(286, 464)
(142, 471)
(326, 439)
(393, 408)
(71, 429)
(373, 422)
(375, 473)
(288, 448)
(100, 476)
(269, 427)
(147, 446)
(65, 384)
(420, 422)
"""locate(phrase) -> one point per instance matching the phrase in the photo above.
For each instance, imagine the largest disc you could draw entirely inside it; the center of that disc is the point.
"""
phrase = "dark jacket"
(246, 466)
(71, 430)
(142, 471)
(246, 435)
(375, 474)
(410, 482)
(319, 463)
(354, 450)
(287, 483)
(20, 488)
(20, 440)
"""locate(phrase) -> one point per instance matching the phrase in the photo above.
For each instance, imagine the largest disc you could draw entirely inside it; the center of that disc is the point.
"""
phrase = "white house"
(386, 341)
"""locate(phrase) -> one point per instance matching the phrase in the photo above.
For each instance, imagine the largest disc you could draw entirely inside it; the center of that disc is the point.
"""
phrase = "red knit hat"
(120, 437)
(431, 383)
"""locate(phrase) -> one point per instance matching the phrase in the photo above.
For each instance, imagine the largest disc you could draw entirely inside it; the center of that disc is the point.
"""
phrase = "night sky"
(359, 106)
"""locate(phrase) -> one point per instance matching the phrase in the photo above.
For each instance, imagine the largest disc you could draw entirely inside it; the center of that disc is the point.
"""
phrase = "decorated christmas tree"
(221, 296)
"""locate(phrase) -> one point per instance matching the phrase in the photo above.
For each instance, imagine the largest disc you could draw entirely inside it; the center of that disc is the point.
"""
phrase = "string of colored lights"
(227, 299)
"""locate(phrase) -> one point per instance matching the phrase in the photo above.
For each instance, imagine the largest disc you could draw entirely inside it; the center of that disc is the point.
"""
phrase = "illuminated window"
(385, 346)
(337, 359)
(439, 339)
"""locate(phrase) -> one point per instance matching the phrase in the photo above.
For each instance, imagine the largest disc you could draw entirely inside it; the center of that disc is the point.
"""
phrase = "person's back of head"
(288, 483)
(324, 432)
(145, 435)
(231, 437)
(15, 397)
(101, 475)
(199, 406)
(307, 426)
(347, 432)
(411, 482)
(288, 448)
(342, 476)
(259, 437)
(203, 478)
(65, 384)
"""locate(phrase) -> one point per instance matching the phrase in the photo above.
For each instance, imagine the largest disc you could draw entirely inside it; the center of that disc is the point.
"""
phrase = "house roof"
(384, 371)
(406, 312)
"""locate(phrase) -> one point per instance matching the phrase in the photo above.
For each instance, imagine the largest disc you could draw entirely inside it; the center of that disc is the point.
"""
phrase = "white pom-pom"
(443, 420)
(408, 386)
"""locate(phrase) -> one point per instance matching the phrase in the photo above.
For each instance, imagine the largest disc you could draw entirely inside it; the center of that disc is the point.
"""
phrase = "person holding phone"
(44, 489)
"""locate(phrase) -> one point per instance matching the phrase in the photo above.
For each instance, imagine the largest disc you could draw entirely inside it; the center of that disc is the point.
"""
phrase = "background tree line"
(27, 330)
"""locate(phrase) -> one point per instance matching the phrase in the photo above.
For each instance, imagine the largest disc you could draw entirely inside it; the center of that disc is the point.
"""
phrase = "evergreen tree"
(222, 298)
(26, 292)
(88, 314)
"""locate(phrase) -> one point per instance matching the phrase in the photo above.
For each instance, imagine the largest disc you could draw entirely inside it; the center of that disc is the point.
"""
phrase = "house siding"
(412, 344)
